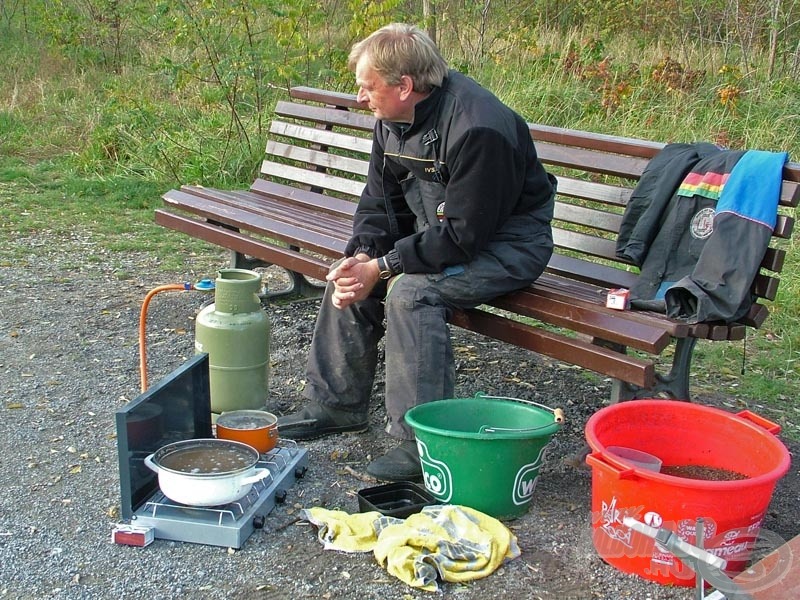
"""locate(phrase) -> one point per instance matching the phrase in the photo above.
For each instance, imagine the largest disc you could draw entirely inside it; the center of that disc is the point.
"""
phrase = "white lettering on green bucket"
(437, 476)
(527, 476)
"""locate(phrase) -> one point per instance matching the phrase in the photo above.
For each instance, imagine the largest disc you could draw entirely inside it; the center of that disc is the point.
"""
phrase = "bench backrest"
(321, 140)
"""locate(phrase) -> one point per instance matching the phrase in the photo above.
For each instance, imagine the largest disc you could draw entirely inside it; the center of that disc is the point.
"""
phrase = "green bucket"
(483, 452)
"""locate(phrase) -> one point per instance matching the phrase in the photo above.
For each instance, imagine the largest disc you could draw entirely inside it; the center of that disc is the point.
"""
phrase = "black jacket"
(442, 189)
(698, 225)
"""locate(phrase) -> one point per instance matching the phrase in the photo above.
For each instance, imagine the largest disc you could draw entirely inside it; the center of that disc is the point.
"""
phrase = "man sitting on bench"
(456, 211)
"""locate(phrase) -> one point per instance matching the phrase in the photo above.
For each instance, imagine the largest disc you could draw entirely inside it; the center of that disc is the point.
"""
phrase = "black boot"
(400, 464)
(315, 421)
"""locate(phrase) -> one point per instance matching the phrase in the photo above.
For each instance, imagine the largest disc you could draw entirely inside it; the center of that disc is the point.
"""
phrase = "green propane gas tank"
(235, 332)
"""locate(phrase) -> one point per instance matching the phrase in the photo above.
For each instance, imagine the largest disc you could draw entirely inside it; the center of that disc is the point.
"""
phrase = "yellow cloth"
(339, 530)
(447, 542)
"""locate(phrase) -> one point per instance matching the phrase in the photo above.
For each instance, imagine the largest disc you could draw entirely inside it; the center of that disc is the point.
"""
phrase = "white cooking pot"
(206, 472)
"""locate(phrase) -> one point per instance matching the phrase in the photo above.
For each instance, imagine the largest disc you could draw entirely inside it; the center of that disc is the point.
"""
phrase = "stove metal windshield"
(176, 408)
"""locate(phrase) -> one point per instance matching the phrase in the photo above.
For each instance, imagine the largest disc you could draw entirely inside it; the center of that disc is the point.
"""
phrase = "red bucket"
(682, 435)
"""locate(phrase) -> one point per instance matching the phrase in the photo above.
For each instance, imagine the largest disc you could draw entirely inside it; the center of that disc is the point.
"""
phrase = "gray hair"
(400, 49)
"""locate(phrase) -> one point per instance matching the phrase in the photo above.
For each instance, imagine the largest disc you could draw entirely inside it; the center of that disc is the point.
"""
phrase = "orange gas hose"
(143, 325)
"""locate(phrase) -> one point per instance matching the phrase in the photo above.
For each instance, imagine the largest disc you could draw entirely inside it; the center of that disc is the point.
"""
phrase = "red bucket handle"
(771, 427)
(599, 460)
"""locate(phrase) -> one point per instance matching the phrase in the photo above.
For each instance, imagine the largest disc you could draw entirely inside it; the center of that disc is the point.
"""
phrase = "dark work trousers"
(419, 356)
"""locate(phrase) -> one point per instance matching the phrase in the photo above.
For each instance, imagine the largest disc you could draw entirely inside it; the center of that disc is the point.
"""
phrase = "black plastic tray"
(399, 499)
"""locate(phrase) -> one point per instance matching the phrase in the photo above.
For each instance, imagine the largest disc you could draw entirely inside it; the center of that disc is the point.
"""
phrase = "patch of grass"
(117, 211)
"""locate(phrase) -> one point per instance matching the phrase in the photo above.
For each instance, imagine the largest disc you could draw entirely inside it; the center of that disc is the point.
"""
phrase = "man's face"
(387, 102)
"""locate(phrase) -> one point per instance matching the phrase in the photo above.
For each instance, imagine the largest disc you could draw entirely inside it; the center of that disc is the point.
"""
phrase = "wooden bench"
(298, 215)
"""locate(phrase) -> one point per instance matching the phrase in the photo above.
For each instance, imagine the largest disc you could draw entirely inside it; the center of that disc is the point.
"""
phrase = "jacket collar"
(423, 111)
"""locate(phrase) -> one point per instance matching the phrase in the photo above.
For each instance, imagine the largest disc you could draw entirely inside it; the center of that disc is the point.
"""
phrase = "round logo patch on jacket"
(702, 224)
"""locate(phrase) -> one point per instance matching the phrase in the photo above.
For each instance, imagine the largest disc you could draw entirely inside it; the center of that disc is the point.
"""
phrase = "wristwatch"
(383, 269)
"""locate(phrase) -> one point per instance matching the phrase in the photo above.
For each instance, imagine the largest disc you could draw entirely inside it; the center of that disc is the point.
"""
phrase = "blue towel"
(754, 187)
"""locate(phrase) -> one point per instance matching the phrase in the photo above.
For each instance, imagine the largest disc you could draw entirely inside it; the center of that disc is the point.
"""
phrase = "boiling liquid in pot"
(243, 422)
(209, 459)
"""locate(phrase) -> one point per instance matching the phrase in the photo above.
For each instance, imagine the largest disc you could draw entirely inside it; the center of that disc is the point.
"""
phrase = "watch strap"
(384, 272)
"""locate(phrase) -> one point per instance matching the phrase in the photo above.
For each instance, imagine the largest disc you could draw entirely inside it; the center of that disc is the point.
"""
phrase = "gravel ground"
(69, 316)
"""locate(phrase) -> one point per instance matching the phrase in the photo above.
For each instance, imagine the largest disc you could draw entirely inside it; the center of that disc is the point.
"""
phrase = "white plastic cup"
(637, 458)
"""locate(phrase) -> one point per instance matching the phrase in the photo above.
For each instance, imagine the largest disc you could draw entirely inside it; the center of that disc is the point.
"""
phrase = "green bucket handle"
(558, 415)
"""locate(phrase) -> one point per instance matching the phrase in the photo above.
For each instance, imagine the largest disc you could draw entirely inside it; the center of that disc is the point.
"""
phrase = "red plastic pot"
(680, 434)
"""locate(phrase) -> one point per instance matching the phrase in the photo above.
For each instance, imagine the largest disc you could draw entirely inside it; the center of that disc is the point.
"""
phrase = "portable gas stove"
(179, 408)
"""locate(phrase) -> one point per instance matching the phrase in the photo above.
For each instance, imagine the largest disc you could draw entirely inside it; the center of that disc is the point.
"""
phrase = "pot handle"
(771, 427)
(148, 460)
(257, 476)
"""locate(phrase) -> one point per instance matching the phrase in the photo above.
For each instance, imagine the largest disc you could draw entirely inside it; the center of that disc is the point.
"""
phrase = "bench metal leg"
(300, 287)
(674, 385)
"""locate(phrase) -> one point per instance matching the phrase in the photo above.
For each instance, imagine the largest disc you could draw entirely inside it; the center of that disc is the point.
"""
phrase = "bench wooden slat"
(571, 350)
(719, 331)
(591, 296)
(596, 321)
(766, 287)
(603, 277)
(305, 198)
(588, 217)
(314, 179)
(790, 192)
(584, 243)
(601, 192)
(226, 238)
(591, 160)
(329, 97)
(275, 208)
(323, 137)
(595, 141)
(327, 116)
(590, 272)
(784, 227)
(774, 259)
(276, 228)
(318, 158)
(755, 317)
